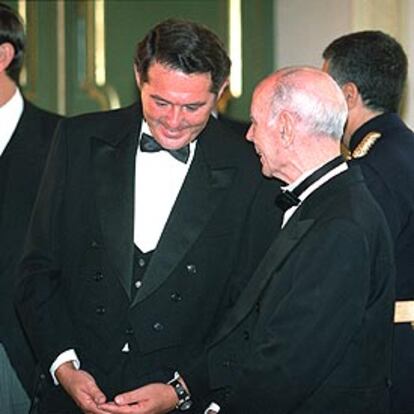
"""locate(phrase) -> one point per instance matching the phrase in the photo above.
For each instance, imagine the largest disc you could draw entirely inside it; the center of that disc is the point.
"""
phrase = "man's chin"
(266, 172)
(173, 143)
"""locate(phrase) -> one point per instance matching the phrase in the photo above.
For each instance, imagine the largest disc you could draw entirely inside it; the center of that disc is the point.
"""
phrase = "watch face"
(186, 405)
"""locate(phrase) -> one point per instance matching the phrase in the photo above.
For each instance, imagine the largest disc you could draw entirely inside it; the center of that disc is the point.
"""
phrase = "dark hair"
(375, 62)
(12, 31)
(185, 46)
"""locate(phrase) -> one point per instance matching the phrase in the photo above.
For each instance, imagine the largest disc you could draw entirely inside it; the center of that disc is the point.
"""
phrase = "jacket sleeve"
(39, 296)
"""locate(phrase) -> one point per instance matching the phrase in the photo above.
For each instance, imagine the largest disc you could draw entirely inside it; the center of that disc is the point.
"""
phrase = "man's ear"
(222, 89)
(286, 125)
(351, 93)
(137, 77)
(6, 55)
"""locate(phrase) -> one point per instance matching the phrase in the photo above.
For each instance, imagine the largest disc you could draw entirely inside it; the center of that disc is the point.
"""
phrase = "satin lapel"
(114, 170)
(280, 249)
(200, 194)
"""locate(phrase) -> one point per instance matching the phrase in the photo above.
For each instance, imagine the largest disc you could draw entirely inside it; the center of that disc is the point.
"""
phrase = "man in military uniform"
(371, 68)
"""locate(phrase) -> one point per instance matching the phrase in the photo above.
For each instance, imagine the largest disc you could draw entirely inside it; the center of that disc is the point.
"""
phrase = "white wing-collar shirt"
(337, 170)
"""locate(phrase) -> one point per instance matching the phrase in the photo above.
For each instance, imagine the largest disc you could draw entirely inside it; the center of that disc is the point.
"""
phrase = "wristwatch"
(184, 398)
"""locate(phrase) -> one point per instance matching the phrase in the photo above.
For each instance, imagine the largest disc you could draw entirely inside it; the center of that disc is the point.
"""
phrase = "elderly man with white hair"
(311, 333)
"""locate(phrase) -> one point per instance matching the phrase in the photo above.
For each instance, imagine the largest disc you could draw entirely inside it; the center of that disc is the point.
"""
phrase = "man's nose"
(249, 134)
(174, 117)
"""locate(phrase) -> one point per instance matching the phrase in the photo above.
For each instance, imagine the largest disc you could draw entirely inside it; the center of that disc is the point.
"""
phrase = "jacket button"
(98, 276)
(226, 364)
(129, 331)
(94, 243)
(246, 335)
(176, 297)
(141, 262)
(158, 326)
(191, 269)
(100, 310)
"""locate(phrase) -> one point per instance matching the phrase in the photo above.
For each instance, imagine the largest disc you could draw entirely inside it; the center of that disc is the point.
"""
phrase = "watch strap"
(184, 397)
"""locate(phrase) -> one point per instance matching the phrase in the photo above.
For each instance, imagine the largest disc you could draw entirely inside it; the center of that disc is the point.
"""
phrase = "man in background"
(371, 69)
(25, 135)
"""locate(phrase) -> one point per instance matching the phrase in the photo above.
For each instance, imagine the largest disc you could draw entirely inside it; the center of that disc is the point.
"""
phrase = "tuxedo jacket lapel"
(113, 160)
(205, 185)
(276, 255)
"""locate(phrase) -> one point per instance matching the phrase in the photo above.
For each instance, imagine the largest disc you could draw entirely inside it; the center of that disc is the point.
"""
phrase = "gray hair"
(321, 114)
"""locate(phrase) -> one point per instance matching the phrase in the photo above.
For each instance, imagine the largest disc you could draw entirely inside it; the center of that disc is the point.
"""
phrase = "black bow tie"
(148, 144)
(287, 199)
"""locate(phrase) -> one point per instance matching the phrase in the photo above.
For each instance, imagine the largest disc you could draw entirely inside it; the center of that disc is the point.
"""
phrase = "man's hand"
(156, 398)
(81, 387)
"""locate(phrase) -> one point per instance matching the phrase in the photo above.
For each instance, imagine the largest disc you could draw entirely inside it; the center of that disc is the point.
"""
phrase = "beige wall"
(303, 28)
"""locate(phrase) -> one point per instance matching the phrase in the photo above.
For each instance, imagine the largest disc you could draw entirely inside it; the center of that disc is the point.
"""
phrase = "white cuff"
(67, 356)
(213, 408)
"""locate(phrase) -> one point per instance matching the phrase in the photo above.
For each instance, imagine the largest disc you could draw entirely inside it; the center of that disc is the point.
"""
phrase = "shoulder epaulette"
(365, 145)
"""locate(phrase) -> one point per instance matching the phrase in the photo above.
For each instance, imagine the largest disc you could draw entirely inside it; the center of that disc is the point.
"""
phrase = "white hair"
(320, 114)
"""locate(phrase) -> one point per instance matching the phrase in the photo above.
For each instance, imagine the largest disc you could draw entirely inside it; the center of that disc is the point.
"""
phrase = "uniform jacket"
(75, 289)
(311, 332)
(21, 167)
(388, 169)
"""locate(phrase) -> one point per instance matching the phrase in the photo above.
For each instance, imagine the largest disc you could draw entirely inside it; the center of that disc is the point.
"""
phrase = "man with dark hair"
(12, 32)
(179, 49)
(135, 238)
(371, 68)
(25, 136)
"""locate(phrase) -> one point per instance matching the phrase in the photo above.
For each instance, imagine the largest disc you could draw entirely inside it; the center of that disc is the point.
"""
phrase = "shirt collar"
(380, 123)
(337, 170)
(10, 114)
(332, 173)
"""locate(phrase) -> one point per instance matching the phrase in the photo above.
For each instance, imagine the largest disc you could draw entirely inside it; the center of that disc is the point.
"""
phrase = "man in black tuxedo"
(135, 239)
(25, 136)
(311, 332)
(371, 68)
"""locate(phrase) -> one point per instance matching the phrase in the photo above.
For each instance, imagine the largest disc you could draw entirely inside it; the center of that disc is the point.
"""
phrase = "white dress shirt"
(10, 114)
(158, 180)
